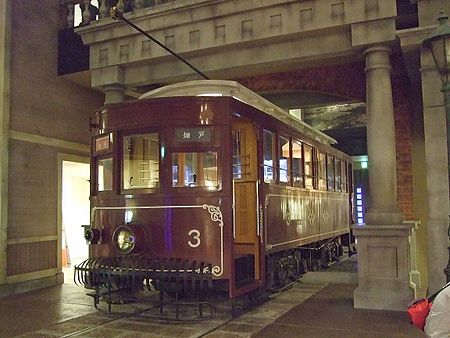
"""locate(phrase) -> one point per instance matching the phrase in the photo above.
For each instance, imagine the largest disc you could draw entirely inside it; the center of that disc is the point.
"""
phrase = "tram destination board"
(193, 135)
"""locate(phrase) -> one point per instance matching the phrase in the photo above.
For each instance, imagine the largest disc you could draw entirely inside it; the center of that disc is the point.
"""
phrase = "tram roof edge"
(241, 93)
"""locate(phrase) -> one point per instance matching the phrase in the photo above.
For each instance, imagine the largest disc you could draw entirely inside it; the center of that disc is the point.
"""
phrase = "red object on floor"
(418, 312)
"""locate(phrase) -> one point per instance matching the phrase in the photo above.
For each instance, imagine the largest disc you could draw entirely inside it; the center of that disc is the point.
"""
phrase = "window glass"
(297, 163)
(241, 159)
(344, 176)
(269, 155)
(141, 161)
(322, 171)
(284, 160)
(330, 172)
(237, 154)
(337, 171)
(105, 174)
(309, 177)
(195, 170)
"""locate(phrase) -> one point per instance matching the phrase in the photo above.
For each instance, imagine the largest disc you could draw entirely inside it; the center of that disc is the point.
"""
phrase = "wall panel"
(30, 257)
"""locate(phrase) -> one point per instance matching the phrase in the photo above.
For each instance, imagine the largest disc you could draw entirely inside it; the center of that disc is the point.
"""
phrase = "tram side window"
(309, 166)
(344, 177)
(241, 155)
(330, 172)
(337, 167)
(237, 154)
(197, 169)
(140, 167)
(104, 174)
(297, 163)
(284, 159)
(322, 172)
(269, 156)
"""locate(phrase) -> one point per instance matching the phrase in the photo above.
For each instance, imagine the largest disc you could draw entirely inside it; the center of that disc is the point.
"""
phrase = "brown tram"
(205, 184)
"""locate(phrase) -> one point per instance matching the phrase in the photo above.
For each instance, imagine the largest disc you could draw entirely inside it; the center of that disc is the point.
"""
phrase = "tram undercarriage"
(180, 283)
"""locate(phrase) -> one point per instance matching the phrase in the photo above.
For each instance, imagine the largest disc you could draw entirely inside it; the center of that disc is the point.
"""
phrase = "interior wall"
(48, 115)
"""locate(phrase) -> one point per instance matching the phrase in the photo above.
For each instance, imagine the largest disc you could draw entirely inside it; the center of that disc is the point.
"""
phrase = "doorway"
(245, 188)
(74, 213)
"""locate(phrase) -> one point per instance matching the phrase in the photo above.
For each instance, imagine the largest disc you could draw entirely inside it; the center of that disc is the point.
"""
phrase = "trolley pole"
(118, 15)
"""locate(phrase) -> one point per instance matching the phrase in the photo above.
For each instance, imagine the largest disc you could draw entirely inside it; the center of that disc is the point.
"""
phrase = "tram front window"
(104, 174)
(141, 161)
(195, 170)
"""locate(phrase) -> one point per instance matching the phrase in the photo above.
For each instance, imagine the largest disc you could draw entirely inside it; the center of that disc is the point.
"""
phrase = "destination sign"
(193, 135)
(102, 143)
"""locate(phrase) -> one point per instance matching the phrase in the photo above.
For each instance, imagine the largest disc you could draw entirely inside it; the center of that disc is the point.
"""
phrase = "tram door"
(245, 185)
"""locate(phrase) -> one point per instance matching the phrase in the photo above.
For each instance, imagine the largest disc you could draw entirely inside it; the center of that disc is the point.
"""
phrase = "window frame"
(338, 178)
(196, 149)
(331, 184)
(301, 182)
(313, 161)
(344, 176)
(289, 159)
(96, 161)
(101, 155)
(273, 155)
(322, 182)
(138, 191)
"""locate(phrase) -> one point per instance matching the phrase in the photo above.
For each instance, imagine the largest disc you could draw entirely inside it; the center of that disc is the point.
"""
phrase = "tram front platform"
(318, 305)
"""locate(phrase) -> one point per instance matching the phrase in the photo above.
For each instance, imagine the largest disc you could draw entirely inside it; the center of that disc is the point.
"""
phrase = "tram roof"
(241, 93)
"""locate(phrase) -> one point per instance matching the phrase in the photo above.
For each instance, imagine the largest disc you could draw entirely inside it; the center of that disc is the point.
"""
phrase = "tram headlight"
(124, 239)
(91, 235)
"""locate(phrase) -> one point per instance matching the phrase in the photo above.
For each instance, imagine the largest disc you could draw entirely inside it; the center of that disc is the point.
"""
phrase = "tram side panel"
(295, 217)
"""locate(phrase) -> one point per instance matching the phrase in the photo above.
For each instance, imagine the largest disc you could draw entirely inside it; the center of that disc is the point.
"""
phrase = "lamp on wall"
(439, 45)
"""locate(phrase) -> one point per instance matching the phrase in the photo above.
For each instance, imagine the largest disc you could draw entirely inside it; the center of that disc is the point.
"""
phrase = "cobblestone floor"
(143, 325)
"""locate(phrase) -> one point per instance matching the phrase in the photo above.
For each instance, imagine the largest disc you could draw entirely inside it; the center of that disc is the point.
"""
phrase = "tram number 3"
(195, 234)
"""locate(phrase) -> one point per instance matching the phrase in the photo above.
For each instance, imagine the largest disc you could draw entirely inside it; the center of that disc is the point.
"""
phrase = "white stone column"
(434, 118)
(381, 139)
(383, 253)
(5, 29)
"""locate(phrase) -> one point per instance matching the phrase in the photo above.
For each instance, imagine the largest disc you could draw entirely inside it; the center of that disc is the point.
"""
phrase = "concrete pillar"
(383, 253)
(434, 116)
(381, 139)
(5, 29)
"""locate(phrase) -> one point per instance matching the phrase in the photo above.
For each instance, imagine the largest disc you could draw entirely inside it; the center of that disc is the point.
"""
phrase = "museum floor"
(319, 305)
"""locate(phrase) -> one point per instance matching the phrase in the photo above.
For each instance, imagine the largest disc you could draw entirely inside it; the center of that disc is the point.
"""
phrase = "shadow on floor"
(330, 313)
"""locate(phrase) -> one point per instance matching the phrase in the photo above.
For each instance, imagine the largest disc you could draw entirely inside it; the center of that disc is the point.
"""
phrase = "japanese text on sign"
(189, 135)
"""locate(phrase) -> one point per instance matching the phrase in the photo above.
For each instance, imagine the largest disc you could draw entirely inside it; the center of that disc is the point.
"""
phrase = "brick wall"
(403, 136)
(345, 80)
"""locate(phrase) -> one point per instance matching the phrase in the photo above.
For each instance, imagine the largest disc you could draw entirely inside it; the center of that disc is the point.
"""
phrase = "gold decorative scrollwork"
(216, 216)
(215, 212)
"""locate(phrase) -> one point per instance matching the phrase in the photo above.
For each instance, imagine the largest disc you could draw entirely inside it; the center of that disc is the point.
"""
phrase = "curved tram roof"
(241, 93)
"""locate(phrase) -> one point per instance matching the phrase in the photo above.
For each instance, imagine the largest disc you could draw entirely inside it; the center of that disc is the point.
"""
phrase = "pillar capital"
(377, 57)
(378, 48)
(114, 93)
(111, 80)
